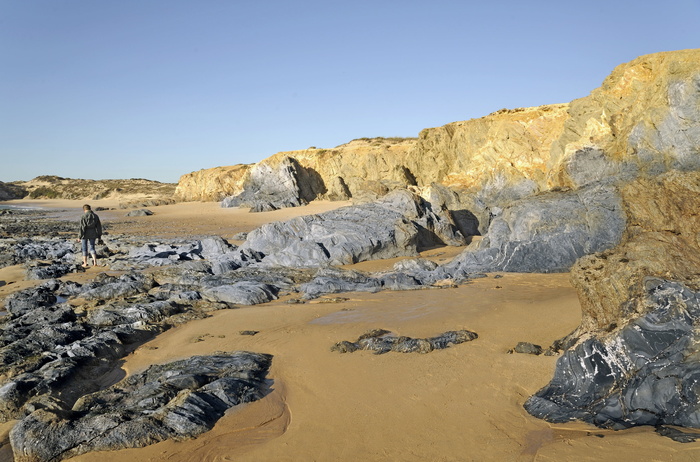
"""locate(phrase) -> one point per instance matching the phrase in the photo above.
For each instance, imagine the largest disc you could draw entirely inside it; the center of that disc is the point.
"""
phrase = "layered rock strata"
(644, 373)
(171, 401)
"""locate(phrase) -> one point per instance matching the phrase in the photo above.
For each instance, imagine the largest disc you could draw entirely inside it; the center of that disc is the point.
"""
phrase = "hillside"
(54, 187)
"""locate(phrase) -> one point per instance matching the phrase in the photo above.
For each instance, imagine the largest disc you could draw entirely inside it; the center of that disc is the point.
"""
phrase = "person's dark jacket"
(90, 226)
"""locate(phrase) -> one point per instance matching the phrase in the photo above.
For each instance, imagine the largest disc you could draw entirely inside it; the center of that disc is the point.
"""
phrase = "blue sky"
(159, 88)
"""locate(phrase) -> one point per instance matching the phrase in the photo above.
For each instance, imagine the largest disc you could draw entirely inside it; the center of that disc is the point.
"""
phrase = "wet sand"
(463, 403)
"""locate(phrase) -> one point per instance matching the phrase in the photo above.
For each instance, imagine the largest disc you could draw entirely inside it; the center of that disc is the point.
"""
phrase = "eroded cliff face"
(506, 149)
(212, 184)
(643, 120)
(334, 174)
(662, 240)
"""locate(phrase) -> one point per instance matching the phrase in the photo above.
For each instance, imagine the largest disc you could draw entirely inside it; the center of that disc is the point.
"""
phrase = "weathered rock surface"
(547, 233)
(269, 188)
(381, 341)
(242, 293)
(643, 373)
(211, 184)
(176, 400)
(396, 225)
(661, 240)
(357, 166)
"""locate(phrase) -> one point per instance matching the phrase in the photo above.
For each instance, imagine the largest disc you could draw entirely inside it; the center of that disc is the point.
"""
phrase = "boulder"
(139, 213)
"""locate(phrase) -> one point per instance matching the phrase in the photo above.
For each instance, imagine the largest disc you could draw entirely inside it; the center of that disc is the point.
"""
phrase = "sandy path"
(459, 404)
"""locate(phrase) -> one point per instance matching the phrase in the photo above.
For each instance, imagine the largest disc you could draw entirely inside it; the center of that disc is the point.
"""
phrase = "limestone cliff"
(212, 184)
(662, 240)
(645, 118)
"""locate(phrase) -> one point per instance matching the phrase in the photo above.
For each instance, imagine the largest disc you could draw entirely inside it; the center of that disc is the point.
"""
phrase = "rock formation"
(381, 341)
(642, 120)
(171, 401)
(661, 240)
(606, 186)
(397, 225)
(211, 184)
(360, 167)
(266, 188)
(643, 374)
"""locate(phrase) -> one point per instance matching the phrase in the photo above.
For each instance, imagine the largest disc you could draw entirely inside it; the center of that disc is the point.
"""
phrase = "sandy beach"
(463, 403)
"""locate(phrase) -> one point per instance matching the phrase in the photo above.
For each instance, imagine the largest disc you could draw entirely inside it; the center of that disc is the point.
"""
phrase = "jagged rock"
(415, 264)
(270, 187)
(644, 373)
(43, 249)
(24, 301)
(177, 400)
(380, 341)
(49, 271)
(336, 280)
(136, 314)
(106, 287)
(186, 273)
(156, 254)
(214, 247)
(400, 281)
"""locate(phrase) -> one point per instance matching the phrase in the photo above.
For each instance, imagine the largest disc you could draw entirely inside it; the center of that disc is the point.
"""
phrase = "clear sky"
(158, 88)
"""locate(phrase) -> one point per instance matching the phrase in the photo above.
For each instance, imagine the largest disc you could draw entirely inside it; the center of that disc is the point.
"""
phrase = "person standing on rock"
(90, 230)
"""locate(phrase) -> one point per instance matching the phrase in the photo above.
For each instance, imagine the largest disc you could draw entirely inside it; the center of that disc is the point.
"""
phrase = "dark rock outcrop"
(396, 225)
(644, 373)
(381, 341)
(177, 400)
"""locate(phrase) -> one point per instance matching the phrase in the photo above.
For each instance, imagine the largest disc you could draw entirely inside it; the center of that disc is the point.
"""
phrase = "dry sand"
(459, 404)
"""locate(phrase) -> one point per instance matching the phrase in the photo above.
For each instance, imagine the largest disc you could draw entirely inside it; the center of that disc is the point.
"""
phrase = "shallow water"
(18, 207)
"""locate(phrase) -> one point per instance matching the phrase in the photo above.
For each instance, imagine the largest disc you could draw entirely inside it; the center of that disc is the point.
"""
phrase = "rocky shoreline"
(608, 192)
(61, 339)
